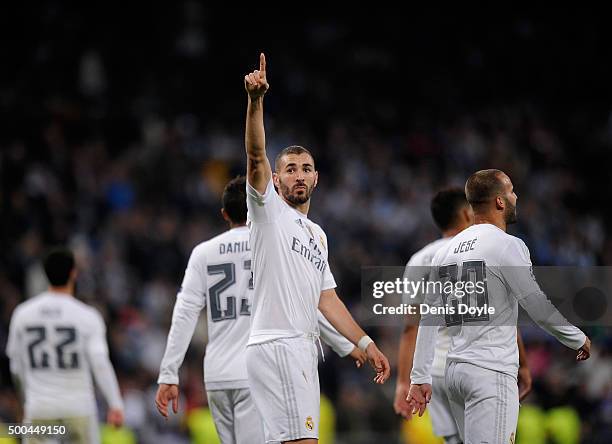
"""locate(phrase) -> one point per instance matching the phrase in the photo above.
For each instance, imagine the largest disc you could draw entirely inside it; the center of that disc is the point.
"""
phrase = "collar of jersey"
(296, 211)
(490, 225)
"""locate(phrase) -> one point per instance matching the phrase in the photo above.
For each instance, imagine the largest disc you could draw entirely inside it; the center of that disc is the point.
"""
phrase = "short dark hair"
(445, 206)
(293, 149)
(58, 264)
(482, 186)
(234, 199)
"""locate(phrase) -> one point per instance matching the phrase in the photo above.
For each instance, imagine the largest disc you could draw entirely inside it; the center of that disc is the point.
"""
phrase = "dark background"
(119, 126)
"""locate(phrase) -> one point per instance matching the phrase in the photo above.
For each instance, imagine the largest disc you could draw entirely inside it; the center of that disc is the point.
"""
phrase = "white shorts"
(440, 409)
(284, 384)
(484, 403)
(236, 419)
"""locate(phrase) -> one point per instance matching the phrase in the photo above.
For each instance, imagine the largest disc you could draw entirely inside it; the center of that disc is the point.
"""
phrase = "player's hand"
(256, 83)
(524, 382)
(379, 362)
(358, 356)
(418, 397)
(165, 394)
(584, 352)
(114, 417)
(400, 405)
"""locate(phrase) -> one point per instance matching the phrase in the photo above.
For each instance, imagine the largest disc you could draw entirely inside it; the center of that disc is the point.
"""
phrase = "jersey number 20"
(474, 271)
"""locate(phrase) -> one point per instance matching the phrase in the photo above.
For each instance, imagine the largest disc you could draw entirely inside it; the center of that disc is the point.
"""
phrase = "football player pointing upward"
(218, 279)
(292, 278)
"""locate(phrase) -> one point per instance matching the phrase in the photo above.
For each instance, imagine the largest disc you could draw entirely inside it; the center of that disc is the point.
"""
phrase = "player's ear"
(225, 215)
(276, 180)
(316, 179)
(499, 203)
(465, 214)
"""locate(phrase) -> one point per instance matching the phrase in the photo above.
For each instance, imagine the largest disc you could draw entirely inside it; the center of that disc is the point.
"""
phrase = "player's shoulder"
(516, 243)
(87, 312)
(307, 221)
(23, 308)
(211, 246)
(425, 255)
(502, 245)
(19, 310)
(205, 247)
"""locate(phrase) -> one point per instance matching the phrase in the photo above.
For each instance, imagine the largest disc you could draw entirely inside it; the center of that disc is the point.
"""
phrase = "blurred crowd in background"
(118, 132)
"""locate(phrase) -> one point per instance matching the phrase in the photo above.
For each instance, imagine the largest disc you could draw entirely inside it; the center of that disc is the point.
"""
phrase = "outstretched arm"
(522, 284)
(258, 166)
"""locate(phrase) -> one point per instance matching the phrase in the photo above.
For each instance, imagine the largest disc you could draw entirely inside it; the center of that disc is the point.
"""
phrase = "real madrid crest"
(309, 423)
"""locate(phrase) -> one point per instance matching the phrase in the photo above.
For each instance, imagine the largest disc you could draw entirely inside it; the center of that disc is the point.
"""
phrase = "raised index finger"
(262, 62)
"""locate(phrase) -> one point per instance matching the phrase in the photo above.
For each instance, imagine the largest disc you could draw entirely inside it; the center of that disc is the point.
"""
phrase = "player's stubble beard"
(292, 196)
(510, 212)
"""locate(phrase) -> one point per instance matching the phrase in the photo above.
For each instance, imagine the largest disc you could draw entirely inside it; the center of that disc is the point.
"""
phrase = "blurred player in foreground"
(55, 343)
(292, 278)
(218, 277)
(452, 214)
(482, 362)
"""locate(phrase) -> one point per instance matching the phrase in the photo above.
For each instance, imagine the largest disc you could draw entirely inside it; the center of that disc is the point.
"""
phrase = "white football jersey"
(55, 342)
(485, 253)
(417, 269)
(290, 267)
(218, 277)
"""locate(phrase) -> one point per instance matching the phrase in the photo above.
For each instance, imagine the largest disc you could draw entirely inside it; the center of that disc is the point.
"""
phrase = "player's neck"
(233, 225)
(302, 208)
(65, 290)
(499, 222)
(452, 232)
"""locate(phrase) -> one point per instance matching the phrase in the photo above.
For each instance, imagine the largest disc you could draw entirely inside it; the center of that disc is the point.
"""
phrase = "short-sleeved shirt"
(290, 267)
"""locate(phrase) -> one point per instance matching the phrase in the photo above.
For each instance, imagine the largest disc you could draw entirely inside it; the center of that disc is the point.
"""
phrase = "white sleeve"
(190, 301)
(97, 353)
(522, 284)
(328, 279)
(333, 338)
(194, 280)
(12, 345)
(263, 208)
(426, 342)
(415, 272)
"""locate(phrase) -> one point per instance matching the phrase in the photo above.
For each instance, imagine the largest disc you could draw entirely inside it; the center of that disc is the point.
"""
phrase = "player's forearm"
(333, 338)
(255, 142)
(184, 319)
(406, 353)
(521, 349)
(106, 380)
(338, 315)
(18, 388)
(546, 315)
(255, 137)
(423, 354)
